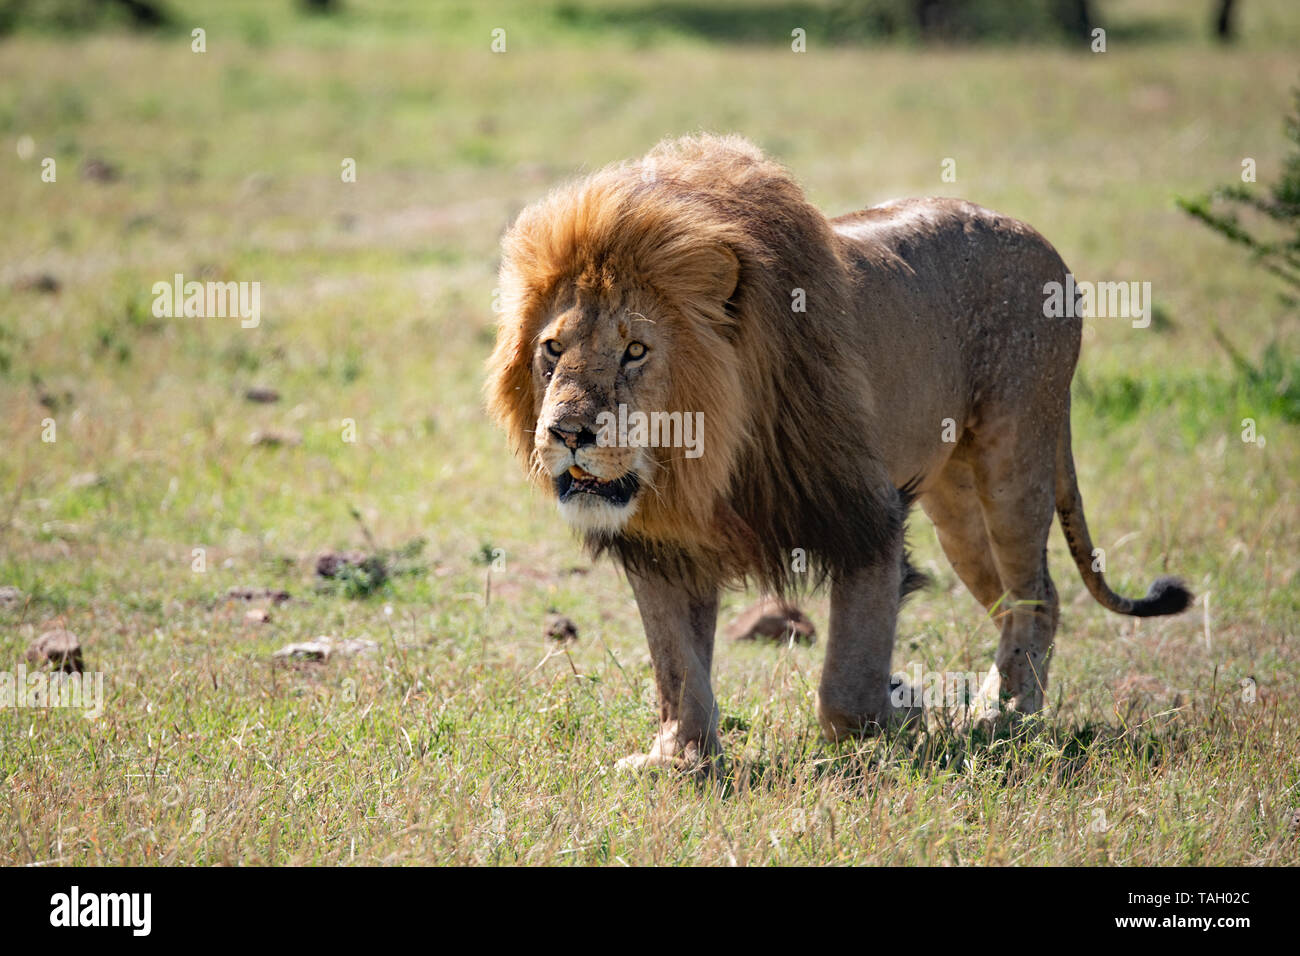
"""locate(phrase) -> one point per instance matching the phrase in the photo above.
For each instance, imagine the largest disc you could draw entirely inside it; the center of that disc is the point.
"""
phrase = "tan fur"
(922, 318)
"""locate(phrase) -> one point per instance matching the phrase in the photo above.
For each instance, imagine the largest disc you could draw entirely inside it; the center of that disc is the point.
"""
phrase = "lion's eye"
(553, 348)
(634, 351)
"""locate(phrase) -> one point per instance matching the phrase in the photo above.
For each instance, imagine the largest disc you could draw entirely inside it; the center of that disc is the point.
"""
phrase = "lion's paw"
(690, 762)
(642, 763)
(991, 709)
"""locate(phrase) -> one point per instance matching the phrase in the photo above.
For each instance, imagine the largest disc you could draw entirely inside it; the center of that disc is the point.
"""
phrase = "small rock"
(305, 651)
(257, 594)
(258, 615)
(89, 479)
(39, 282)
(331, 564)
(560, 628)
(772, 619)
(262, 394)
(323, 648)
(59, 647)
(54, 400)
(99, 171)
(274, 439)
(10, 596)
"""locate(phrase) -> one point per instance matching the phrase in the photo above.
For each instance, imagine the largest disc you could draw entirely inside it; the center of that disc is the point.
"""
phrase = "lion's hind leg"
(1015, 478)
(952, 503)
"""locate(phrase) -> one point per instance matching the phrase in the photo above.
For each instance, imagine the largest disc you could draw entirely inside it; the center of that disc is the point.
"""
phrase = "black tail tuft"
(1166, 596)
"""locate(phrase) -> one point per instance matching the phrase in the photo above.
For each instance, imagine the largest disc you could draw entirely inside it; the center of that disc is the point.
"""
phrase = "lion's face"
(596, 365)
(618, 302)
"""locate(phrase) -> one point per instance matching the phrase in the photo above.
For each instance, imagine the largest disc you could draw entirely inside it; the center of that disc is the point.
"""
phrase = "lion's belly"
(918, 383)
(917, 433)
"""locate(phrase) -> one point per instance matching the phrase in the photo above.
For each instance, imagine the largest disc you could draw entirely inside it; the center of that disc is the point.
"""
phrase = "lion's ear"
(722, 270)
(702, 274)
(705, 278)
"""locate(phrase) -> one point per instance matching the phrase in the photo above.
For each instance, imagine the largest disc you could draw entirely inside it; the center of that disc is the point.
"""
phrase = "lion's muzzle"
(595, 483)
(578, 481)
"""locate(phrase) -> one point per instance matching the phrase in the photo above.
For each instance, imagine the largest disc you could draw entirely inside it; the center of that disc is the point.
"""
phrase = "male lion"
(841, 368)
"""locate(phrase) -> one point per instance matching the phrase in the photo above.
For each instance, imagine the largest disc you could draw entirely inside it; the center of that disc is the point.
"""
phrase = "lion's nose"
(574, 438)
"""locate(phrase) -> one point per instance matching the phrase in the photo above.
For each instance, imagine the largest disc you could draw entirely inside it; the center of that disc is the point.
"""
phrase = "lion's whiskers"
(652, 485)
(537, 470)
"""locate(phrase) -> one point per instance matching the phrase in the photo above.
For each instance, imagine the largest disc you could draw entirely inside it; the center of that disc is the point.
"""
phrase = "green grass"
(467, 737)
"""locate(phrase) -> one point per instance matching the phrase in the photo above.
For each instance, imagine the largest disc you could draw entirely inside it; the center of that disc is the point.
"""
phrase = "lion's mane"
(788, 466)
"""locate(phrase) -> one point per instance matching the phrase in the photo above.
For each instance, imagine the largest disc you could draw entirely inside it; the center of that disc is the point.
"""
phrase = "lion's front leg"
(679, 628)
(854, 696)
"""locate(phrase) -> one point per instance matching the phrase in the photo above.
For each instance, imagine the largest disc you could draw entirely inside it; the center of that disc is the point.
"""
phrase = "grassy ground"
(467, 737)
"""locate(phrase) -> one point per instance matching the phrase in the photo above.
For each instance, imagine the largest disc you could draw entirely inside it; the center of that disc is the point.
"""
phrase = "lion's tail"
(1165, 596)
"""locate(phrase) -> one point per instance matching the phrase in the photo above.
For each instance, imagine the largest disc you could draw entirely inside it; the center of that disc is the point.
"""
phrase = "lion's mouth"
(577, 481)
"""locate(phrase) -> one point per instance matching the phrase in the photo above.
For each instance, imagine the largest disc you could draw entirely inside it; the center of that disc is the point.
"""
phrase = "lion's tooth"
(577, 472)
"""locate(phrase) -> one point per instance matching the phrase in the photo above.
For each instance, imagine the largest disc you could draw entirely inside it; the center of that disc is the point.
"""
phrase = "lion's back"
(968, 241)
(969, 269)
(961, 290)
